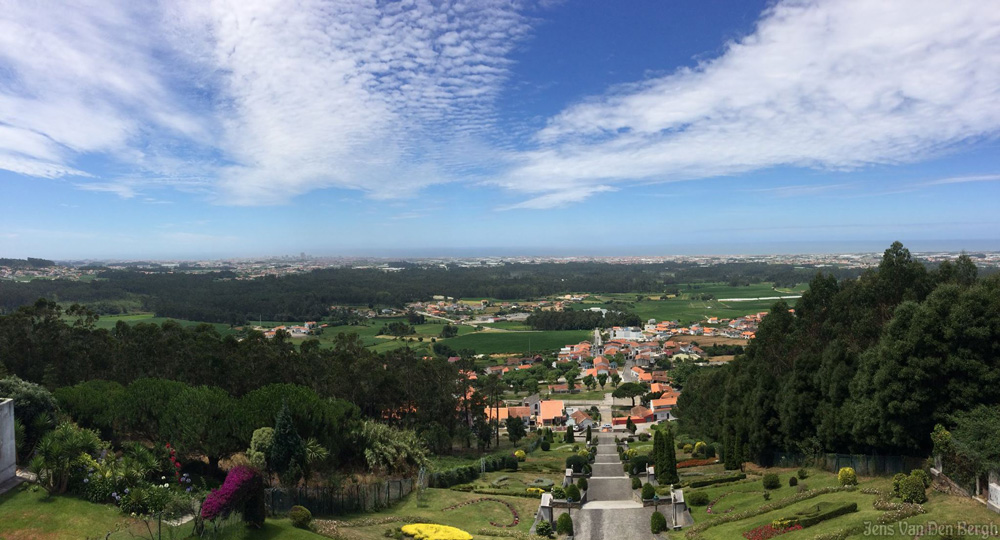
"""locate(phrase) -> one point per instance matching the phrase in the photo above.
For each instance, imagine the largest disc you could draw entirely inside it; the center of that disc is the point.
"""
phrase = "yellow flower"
(428, 531)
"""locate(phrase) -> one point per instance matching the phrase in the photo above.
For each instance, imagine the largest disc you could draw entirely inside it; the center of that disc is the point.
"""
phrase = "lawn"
(109, 321)
(517, 342)
(748, 495)
(27, 514)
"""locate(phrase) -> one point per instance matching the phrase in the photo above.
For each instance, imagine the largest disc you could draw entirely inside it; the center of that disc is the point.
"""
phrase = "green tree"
(602, 379)
(629, 390)
(615, 379)
(515, 428)
(288, 450)
(666, 466)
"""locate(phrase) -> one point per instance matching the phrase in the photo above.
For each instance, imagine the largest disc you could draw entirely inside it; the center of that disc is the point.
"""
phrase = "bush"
(803, 474)
(300, 516)
(847, 477)
(576, 463)
(558, 492)
(719, 480)
(636, 483)
(544, 528)
(427, 531)
(242, 491)
(648, 491)
(771, 481)
(644, 437)
(912, 490)
(687, 449)
(792, 481)
(638, 464)
(520, 455)
(923, 476)
(573, 492)
(813, 519)
(657, 523)
(568, 436)
(564, 525)
(897, 482)
(700, 449)
(582, 484)
(546, 445)
(698, 498)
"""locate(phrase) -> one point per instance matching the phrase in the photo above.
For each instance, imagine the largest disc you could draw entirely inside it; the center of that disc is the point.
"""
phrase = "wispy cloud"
(835, 84)
(963, 180)
(269, 99)
(802, 190)
(559, 198)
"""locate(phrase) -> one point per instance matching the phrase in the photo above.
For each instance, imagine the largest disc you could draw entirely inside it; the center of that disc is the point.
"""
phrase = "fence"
(335, 501)
(864, 465)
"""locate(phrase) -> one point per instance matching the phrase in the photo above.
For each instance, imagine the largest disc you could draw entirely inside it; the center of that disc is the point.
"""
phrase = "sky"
(216, 128)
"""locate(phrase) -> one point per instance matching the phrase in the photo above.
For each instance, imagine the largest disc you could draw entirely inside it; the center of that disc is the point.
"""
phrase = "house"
(580, 420)
(533, 402)
(663, 406)
(551, 412)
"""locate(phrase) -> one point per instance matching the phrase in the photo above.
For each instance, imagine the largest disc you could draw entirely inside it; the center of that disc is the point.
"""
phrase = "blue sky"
(207, 129)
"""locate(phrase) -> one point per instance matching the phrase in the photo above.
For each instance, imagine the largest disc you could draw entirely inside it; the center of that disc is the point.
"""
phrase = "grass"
(746, 496)
(109, 321)
(517, 342)
(28, 514)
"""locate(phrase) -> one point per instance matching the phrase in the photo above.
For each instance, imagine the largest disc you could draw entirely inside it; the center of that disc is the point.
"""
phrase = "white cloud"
(964, 179)
(834, 84)
(269, 98)
(559, 198)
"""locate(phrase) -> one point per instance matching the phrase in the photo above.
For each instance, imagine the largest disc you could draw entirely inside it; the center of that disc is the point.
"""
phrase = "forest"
(221, 298)
(859, 366)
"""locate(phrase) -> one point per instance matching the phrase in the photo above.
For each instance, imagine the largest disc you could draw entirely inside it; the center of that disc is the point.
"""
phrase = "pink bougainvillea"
(243, 491)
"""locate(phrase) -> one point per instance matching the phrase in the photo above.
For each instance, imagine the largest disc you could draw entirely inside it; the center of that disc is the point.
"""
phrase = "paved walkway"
(611, 511)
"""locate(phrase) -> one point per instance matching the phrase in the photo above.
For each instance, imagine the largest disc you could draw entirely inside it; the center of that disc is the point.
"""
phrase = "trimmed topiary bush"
(544, 528)
(897, 482)
(771, 481)
(847, 477)
(792, 481)
(636, 483)
(912, 490)
(582, 484)
(520, 455)
(564, 525)
(300, 517)
(573, 492)
(923, 476)
(545, 446)
(687, 449)
(803, 474)
(648, 491)
(657, 523)
(698, 498)
(576, 463)
(558, 492)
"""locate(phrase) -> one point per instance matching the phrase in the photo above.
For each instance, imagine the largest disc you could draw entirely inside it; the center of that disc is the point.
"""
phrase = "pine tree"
(657, 455)
(288, 451)
(668, 475)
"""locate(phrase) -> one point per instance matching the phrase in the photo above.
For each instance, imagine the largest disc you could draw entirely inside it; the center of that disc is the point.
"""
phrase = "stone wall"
(7, 455)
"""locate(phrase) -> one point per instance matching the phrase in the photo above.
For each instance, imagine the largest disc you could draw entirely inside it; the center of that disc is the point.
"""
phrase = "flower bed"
(696, 462)
(429, 531)
(517, 518)
(769, 531)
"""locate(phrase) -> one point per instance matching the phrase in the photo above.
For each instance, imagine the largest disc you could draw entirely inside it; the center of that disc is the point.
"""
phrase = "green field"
(689, 308)
(109, 322)
(518, 342)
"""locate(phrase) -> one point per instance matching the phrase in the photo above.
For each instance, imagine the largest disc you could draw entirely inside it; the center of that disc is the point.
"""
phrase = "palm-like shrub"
(62, 450)
(392, 450)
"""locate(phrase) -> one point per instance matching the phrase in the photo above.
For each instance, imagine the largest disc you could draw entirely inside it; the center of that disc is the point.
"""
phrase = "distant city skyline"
(201, 130)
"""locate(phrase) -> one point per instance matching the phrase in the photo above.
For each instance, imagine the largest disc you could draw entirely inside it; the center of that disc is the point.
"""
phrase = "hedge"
(720, 480)
(809, 521)
(468, 473)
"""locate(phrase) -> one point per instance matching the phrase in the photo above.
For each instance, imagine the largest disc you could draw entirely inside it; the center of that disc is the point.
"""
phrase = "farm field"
(109, 321)
(517, 342)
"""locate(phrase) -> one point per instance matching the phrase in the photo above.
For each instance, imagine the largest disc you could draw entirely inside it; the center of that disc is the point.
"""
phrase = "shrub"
(242, 491)
(648, 491)
(638, 464)
(897, 482)
(847, 477)
(545, 445)
(636, 483)
(792, 481)
(923, 476)
(558, 492)
(813, 519)
(644, 437)
(427, 531)
(698, 498)
(568, 436)
(657, 523)
(520, 455)
(912, 490)
(564, 525)
(767, 495)
(300, 516)
(582, 484)
(680, 445)
(537, 491)
(573, 492)
(687, 449)
(771, 481)
(700, 448)
(803, 474)
(260, 445)
(576, 463)
(719, 480)
(544, 528)
(62, 451)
